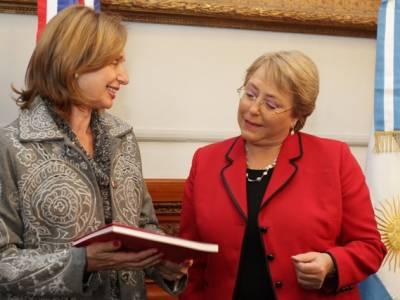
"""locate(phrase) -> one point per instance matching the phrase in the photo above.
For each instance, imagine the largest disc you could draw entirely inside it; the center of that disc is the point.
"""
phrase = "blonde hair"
(294, 72)
(77, 40)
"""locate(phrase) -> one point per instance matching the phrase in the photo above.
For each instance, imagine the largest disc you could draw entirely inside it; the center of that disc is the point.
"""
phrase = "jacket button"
(278, 284)
(270, 256)
(346, 288)
(263, 229)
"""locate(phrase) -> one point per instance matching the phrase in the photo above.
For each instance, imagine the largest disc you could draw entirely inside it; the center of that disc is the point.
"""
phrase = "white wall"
(17, 40)
(183, 81)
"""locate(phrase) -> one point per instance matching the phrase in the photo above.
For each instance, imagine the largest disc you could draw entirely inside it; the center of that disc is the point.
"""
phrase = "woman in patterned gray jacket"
(68, 167)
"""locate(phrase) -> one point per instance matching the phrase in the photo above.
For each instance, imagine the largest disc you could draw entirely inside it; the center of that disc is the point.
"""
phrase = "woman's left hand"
(173, 271)
(312, 268)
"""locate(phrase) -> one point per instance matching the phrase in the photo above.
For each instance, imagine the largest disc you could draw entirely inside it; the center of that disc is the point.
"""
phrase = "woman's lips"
(112, 92)
(252, 125)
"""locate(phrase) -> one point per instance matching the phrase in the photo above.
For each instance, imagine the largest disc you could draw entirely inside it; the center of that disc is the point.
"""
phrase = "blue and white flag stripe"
(383, 156)
(373, 289)
(387, 76)
(396, 64)
(380, 70)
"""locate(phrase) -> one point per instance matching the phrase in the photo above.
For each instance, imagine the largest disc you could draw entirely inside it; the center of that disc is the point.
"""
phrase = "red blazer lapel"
(285, 168)
(233, 176)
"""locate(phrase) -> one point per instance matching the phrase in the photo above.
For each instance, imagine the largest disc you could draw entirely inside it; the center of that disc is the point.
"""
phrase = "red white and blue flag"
(47, 9)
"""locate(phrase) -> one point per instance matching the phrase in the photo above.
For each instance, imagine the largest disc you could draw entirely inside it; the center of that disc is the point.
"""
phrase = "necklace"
(264, 173)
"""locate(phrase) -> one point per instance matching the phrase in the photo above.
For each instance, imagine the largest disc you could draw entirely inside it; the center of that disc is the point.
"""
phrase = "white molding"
(203, 136)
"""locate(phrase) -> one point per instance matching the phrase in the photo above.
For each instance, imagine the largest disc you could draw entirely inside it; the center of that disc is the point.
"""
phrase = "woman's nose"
(254, 107)
(123, 77)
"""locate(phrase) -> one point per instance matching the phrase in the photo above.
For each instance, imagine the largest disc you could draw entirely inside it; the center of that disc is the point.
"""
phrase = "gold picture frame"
(332, 17)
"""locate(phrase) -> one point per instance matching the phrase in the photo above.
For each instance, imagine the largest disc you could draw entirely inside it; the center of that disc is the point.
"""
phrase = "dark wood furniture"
(167, 196)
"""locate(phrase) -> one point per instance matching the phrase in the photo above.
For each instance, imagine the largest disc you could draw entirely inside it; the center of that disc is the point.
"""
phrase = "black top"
(254, 280)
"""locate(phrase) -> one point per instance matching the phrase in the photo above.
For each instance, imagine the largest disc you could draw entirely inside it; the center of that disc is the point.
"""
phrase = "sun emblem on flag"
(388, 218)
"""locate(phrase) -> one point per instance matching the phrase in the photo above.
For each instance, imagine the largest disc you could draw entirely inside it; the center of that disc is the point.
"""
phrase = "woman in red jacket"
(290, 211)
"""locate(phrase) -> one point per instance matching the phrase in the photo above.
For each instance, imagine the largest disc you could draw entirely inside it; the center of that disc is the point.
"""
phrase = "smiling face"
(265, 116)
(80, 41)
(100, 87)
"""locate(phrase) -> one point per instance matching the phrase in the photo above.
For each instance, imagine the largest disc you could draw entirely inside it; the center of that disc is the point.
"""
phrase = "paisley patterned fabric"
(100, 162)
(49, 196)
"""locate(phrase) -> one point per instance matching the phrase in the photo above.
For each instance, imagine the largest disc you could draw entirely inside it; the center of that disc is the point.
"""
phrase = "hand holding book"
(139, 242)
(172, 271)
(107, 256)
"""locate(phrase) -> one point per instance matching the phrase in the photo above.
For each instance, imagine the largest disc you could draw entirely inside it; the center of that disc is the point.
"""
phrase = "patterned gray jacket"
(48, 198)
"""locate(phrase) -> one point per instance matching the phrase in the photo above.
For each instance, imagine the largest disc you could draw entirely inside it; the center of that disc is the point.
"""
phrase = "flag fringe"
(387, 141)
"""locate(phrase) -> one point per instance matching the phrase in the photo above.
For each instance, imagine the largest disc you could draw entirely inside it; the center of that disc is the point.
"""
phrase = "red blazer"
(316, 200)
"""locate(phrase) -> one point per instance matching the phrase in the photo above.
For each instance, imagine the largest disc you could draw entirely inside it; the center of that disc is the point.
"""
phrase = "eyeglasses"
(269, 105)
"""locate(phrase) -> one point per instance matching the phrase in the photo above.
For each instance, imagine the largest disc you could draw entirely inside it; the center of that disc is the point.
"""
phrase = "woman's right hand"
(106, 256)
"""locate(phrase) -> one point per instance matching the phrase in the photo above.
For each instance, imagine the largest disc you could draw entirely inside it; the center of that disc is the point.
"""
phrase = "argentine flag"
(383, 159)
